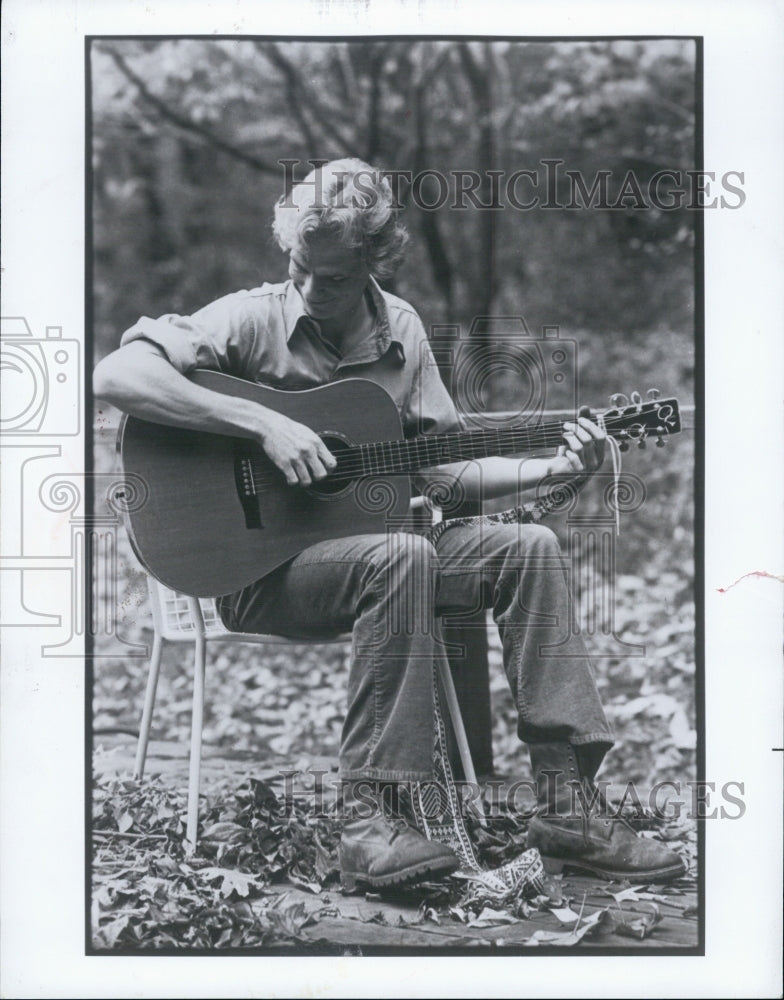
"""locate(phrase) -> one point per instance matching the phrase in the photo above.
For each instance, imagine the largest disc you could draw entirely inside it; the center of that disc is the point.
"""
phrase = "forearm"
(139, 380)
(487, 478)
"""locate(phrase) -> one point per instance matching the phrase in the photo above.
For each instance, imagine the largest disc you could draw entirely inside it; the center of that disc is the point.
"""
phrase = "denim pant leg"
(517, 569)
(381, 588)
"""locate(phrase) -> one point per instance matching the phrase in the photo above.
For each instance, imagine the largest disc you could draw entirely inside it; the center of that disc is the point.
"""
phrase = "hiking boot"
(382, 850)
(575, 831)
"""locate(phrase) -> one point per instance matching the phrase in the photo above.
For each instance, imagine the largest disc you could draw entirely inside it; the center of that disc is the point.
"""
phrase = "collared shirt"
(265, 336)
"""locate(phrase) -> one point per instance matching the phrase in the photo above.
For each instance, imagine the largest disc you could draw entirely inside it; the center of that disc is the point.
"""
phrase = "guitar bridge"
(246, 487)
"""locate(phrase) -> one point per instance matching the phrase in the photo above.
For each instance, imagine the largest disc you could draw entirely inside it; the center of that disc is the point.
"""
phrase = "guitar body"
(214, 514)
(218, 514)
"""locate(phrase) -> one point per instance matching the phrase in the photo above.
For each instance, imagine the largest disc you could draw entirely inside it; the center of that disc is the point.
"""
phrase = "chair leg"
(194, 773)
(149, 706)
(448, 684)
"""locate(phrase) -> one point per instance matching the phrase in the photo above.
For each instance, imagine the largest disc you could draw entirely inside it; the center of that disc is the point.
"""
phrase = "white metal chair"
(180, 618)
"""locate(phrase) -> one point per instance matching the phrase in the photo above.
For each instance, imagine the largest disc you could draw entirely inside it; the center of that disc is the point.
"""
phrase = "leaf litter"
(232, 894)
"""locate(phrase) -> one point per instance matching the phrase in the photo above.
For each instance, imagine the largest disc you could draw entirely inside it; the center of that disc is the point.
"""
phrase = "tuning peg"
(624, 445)
(619, 399)
(660, 442)
(636, 398)
(641, 443)
(654, 394)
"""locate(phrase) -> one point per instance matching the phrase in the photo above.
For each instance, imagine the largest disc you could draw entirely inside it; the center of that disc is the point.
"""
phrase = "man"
(330, 321)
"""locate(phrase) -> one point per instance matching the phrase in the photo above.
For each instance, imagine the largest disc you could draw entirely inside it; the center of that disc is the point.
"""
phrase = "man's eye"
(337, 281)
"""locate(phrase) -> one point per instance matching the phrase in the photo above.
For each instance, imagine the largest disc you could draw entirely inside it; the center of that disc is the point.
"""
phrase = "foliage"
(233, 893)
(188, 136)
(145, 894)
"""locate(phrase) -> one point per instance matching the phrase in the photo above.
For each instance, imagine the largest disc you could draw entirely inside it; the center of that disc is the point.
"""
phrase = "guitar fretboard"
(406, 455)
(410, 455)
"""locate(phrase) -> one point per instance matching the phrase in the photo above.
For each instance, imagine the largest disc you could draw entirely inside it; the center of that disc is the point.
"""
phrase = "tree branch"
(181, 121)
(293, 91)
(327, 126)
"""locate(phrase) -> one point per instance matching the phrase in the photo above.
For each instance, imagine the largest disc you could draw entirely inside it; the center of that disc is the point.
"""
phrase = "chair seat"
(177, 624)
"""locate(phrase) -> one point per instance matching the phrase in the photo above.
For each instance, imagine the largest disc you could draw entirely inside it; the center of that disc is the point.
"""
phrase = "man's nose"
(312, 286)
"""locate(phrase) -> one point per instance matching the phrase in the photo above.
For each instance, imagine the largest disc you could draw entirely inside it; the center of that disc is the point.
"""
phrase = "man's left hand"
(583, 450)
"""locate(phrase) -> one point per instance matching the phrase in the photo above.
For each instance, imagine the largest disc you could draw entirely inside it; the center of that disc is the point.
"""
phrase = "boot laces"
(597, 806)
(399, 825)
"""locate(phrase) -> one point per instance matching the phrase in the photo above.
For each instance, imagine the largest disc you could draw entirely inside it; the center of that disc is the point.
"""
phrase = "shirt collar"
(296, 317)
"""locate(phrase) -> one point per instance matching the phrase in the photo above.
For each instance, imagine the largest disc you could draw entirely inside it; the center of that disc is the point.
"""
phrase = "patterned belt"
(436, 806)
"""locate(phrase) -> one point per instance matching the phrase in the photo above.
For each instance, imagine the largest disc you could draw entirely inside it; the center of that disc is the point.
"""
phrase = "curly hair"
(350, 201)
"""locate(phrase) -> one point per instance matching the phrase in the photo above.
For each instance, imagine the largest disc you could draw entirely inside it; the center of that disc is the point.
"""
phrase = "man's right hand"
(140, 380)
(295, 449)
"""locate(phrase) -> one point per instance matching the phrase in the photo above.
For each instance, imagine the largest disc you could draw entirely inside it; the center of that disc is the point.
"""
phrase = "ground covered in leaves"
(266, 876)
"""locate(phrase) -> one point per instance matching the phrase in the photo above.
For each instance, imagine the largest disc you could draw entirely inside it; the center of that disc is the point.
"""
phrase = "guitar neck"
(633, 423)
(411, 455)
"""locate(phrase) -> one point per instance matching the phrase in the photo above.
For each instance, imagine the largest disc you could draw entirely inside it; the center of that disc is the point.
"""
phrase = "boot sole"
(350, 880)
(554, 866)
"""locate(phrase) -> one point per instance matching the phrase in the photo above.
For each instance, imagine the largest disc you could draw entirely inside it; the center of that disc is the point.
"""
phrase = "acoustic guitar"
(211, 514)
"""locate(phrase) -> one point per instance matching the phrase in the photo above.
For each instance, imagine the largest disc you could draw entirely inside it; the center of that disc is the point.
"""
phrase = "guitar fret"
(412, 454)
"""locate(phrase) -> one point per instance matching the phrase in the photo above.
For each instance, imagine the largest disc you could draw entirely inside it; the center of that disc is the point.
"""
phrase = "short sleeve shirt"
(265, 336)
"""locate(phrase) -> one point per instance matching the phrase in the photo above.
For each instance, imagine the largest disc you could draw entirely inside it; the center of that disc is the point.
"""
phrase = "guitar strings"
(354, 462)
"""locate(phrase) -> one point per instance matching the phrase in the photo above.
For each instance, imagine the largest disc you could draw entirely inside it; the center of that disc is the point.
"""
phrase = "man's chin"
(323, 310)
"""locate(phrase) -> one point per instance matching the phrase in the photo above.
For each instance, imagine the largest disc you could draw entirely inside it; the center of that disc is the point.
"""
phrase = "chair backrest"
(172, 615)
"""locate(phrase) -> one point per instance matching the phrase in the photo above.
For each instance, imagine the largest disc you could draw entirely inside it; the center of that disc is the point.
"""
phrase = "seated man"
(329, 321)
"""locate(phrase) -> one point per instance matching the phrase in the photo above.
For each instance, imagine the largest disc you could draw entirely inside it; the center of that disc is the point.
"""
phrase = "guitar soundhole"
(329, 488)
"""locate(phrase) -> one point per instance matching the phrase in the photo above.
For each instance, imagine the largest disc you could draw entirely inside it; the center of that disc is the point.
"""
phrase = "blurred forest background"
(187, 139)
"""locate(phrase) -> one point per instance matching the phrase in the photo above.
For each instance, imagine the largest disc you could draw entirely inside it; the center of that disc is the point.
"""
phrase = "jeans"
(388, 590)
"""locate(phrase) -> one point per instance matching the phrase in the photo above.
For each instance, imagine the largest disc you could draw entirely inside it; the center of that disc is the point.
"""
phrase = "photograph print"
(397, 360)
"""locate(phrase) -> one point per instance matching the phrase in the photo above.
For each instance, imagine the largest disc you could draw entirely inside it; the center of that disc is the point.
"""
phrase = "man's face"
(330, 279)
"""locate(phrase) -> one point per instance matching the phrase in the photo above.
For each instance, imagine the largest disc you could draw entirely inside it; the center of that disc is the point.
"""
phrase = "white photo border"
(43, 706)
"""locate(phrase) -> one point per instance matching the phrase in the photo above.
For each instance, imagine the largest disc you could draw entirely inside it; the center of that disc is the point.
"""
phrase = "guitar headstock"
(632, 421)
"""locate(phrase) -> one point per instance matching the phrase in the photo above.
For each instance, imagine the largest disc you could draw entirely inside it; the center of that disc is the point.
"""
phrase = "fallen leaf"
(564, 939)
(490, 917)
(553, 889)
(232, 881)
(229, 833)
(111, 932)
(167, 864)
(125, 822)
(565, 914)
(325, 863)
(632, 923)
(302, 881)
(631, 893)
(263, 794)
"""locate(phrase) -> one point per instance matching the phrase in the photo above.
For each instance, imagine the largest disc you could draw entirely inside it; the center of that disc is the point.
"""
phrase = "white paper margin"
(42, 700)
